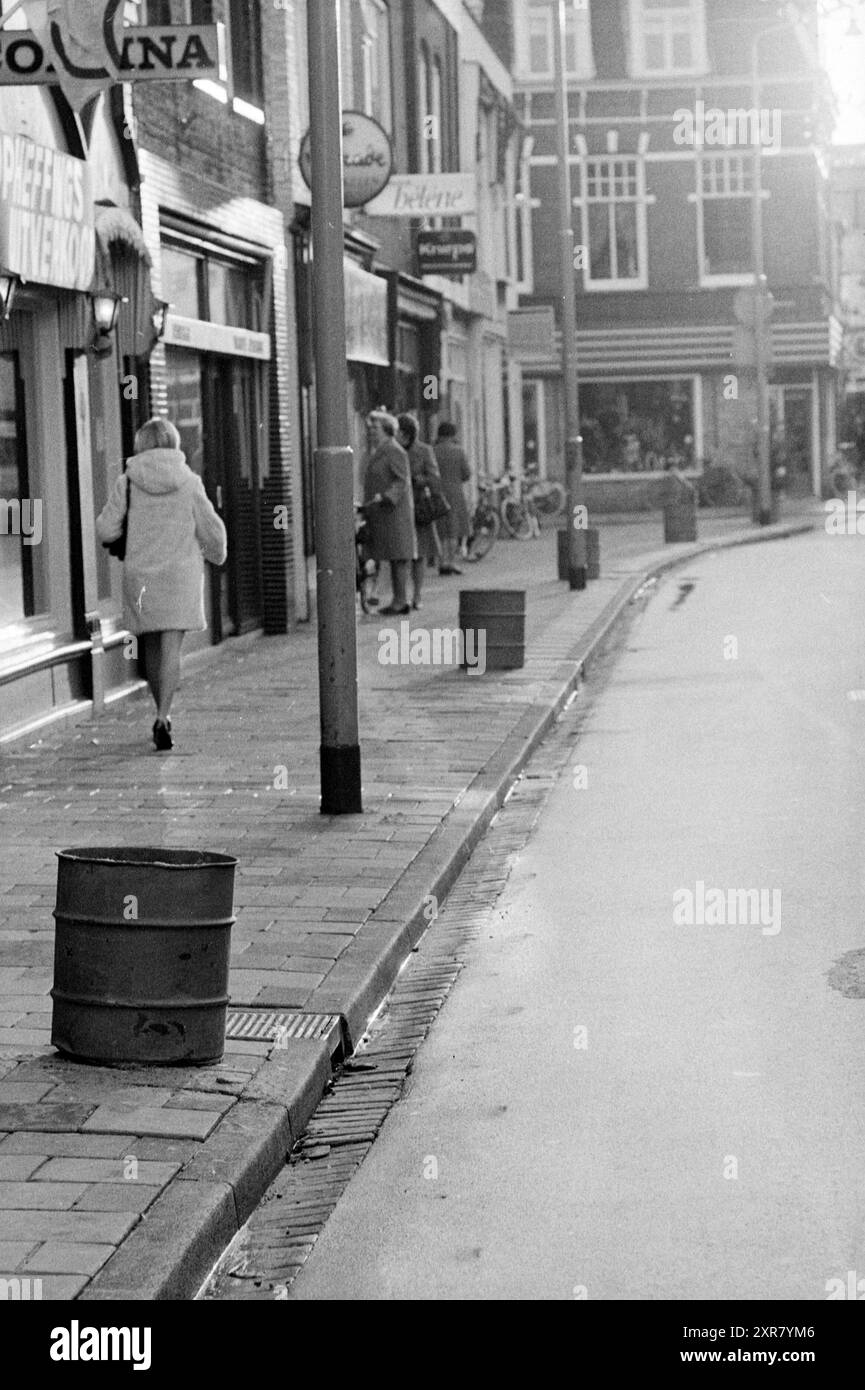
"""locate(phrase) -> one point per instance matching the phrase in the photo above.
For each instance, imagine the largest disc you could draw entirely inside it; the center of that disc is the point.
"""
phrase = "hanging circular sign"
(367, 159)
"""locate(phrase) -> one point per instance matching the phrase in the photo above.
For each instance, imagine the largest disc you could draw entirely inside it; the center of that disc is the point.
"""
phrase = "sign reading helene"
(427, 195)
(46, 214)
(367, 159)
(447, 253)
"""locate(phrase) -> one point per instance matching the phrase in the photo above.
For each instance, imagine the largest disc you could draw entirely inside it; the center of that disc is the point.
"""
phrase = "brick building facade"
(663, 168)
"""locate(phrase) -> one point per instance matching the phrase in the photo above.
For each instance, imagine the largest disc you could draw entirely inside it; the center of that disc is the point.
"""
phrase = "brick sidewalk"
(84, 1151)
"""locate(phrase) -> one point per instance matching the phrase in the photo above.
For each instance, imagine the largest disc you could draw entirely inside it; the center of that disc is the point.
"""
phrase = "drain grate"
(262, 1025)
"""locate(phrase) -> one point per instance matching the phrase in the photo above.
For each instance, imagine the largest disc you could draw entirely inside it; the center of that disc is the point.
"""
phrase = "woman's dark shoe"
(162, 735)
(450, 569)
(417, 605)
(392, 612)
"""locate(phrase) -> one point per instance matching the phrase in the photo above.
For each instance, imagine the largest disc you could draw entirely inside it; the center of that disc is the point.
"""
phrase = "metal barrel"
(141, 955)
(500, 615)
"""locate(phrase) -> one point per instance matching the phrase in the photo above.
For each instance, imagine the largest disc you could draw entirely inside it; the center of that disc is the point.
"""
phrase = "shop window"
(227, 295)
(638, 426)
(668, 37)
(183, 376)
(725, 187)
(21, 515)
(181, 282)
(614, 224)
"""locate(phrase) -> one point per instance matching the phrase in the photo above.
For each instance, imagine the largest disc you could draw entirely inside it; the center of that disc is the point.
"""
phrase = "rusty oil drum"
(141, 955)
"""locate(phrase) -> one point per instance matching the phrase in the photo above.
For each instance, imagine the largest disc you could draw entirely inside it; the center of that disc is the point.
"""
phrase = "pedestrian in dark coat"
(389, 505)
(424, 473)
(172, 528)
(455, 473)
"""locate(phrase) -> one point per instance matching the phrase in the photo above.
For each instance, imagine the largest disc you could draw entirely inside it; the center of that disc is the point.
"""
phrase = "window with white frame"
(725, 185)
(613, 208)
(535, 41)
(242, 84)
(667, 37)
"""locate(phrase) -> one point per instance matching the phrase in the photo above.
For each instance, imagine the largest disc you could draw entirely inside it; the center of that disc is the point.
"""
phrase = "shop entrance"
(213, 400)
(792, 417)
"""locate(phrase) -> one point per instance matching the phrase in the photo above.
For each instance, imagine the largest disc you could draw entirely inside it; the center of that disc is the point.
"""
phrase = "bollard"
(593, 553)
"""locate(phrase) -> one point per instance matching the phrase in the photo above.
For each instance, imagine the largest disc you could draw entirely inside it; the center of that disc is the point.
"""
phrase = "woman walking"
(455, 471)
(389, 507)
(424, 473)
(171, 529)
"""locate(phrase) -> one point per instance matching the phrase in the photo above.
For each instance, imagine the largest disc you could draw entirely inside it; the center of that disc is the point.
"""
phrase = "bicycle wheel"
(516, 519)
(485, 530)
(550, 500)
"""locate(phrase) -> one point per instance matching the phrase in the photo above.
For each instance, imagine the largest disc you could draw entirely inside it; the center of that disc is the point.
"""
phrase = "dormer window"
(668, 38)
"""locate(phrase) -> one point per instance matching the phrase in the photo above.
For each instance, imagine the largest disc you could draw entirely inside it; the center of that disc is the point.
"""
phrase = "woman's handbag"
(118, 548)
(429, 505)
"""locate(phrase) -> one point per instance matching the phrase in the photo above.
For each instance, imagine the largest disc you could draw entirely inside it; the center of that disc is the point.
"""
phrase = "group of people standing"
(400, 467)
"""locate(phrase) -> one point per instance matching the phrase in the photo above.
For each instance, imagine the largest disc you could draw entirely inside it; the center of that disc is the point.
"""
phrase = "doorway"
(792, 416)
(233, 482)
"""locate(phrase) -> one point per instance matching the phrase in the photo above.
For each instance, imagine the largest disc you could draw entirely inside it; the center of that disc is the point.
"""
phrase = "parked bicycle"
(486, 522)
(548, 498)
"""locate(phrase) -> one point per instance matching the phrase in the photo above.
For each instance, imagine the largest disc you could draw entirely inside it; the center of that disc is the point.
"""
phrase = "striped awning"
(622, 351)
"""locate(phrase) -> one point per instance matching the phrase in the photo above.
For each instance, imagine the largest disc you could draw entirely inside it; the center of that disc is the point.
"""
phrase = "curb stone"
(179, 1239)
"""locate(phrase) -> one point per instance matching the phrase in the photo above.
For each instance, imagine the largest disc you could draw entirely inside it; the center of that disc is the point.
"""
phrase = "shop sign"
(216, 337)
(367, 159)
(46, 214)
(86, 48)
(447, 253)
(365, 316)
(427, 195)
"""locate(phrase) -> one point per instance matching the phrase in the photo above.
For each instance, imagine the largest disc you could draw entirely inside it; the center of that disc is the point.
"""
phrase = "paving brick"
(42, 1196)
(13, 1253)
(61, 1257)
(202, 1100)
(59, 1288)
(64, 1145)
(19, 1167)
(117, 1196)
(98, 1228)
(89, 1170)
(178, 1124)
(23, 1092)
(44, 1116)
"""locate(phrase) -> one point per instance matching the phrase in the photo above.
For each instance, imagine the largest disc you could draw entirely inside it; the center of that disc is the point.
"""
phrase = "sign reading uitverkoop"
(46, 214)
(426, 195)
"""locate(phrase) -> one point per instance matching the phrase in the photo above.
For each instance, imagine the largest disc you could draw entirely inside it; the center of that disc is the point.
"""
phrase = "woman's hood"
(158, 471)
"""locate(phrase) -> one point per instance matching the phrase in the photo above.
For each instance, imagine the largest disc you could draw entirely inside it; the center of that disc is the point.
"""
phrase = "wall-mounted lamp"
(160, 313)
(106, 307)
(9, 283)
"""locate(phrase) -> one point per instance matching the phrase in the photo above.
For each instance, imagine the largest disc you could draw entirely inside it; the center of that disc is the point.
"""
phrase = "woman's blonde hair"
(157, 433)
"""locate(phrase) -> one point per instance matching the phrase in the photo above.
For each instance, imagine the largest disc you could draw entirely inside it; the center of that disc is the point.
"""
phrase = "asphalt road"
(622, 1104)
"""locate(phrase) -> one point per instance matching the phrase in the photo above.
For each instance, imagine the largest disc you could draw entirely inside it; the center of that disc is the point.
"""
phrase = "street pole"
(577, 570)
(764, 473)
(333, 458)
